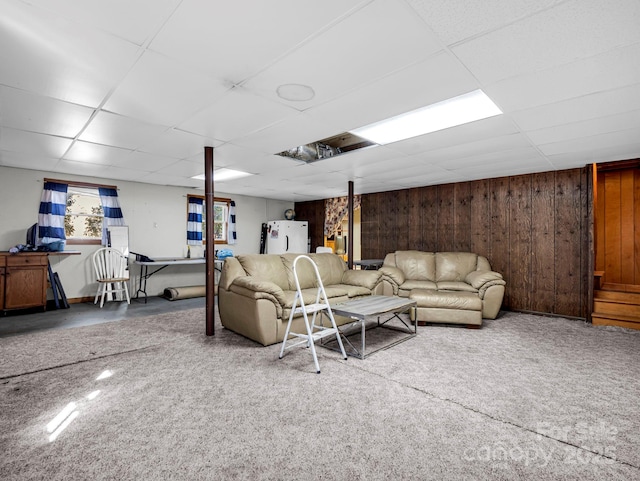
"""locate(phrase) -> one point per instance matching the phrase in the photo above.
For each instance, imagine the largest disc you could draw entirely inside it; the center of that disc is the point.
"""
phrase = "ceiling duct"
(329, 147)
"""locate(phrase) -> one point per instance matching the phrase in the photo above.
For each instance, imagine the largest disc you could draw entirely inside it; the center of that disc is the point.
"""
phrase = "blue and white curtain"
(111, 209)
(53, 206)
(232, 235)
(194, 221)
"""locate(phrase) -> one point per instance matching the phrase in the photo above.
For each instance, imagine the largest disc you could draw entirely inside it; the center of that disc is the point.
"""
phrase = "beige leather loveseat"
(256, 291)
(449, 287)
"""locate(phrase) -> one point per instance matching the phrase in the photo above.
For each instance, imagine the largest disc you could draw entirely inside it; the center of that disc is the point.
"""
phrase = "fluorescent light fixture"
(439, 116)
(220, 175)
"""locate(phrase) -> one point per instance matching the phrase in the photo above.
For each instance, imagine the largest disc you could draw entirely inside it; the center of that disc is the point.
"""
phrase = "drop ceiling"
(134, 89)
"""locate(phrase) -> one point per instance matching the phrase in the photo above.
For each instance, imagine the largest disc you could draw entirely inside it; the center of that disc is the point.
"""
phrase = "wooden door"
(617, 230)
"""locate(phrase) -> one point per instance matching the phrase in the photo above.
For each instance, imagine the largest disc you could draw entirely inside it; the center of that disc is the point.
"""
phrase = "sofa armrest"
(482, 280)
(248, 286)
(367, 279)
(392, 274)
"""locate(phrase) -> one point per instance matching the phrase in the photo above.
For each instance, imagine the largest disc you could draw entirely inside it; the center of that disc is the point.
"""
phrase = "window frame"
(216, 200)
(84, 185)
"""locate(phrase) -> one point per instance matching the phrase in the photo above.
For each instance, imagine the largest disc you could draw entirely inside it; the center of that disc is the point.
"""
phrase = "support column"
(210, 251)
(350, 203)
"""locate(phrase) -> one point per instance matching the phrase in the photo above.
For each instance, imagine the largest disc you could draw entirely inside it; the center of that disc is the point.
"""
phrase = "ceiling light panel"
(442, 115)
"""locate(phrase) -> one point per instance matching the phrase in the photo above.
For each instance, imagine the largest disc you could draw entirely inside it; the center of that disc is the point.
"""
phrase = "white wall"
(157, 219)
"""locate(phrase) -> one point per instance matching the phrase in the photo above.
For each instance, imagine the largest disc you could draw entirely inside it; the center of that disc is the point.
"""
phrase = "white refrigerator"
(287, 236)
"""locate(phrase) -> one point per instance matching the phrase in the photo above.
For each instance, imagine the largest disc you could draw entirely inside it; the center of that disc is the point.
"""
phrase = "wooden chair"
(112, 275)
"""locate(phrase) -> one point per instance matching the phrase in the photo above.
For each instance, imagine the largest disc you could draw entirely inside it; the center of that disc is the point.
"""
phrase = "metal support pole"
(210, 246)
(350, 224)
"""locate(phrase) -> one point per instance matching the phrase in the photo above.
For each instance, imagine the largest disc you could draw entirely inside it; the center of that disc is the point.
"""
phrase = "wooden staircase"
(616, 308)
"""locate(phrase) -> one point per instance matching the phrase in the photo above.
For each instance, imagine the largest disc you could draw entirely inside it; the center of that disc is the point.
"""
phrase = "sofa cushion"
(265, 268)
(367, 279)
(335, 294)
(304, 269)
(456, 286)
(446, 300)
(331, 268)
(417, 265)
(353, 291)
(412, 284)
(454, 266)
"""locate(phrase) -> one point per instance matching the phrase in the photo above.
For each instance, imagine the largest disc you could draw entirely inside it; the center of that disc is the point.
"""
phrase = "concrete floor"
(87, 313)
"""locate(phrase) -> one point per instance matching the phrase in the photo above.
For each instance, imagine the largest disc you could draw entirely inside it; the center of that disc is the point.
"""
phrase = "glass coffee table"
(373, 306)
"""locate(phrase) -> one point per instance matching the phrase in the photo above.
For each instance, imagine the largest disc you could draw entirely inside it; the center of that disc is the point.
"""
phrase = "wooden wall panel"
(543, 262)
(568, 244)
(636, 230)
(445, 217)
(627, 222)
(480, 218)
(313, 212)
(414, 219)
(520, 239)
(430, 218)
(499, 231)
(530, 227)
(612, 219)
(462, 217)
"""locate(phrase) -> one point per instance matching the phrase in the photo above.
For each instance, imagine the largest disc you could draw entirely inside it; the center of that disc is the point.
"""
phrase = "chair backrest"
(110, 264)
(321, 249)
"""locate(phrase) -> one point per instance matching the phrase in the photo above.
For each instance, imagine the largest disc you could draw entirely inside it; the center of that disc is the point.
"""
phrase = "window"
(84, 215)
(220, 219)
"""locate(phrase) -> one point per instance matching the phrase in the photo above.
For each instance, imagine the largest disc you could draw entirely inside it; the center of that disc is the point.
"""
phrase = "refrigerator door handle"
(287, 249)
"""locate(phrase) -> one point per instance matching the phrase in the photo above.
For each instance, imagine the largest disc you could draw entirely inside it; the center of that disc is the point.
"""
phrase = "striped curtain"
(194, 221)
(111, 209)
(232, 235)
(53, 206)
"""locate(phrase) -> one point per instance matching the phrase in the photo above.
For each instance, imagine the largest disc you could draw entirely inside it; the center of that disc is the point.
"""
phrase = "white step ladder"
(314, 331)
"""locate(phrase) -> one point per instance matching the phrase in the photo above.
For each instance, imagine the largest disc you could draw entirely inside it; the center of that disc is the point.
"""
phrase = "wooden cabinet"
(23, 280)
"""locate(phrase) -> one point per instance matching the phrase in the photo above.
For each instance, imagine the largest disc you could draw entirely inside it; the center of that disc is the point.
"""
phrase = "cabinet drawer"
(26, 260)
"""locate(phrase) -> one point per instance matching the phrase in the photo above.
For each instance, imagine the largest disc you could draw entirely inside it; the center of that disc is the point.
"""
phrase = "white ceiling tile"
(144, 162)
(600, 104)
(234, 40)
(25, 160)
(587, 128)
(34, 144)
(608, 154)
(460, 19)
(610, 70)
(52, 56)
(351, 53)
(593, 142)
(179, 144)
(237, 114)
(182, 168)
(132, 21)
(45, 115)
(437, 78)
(87, 152)
(165, 91)
(496, 126)
(83, 168)
(300, 129)
(111, 129)
(569, 31)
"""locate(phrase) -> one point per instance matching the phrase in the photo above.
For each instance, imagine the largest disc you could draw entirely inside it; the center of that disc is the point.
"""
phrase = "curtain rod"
(81, 184)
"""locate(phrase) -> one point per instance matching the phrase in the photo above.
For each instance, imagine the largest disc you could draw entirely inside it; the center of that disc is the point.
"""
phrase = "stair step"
(631, 322)
(616, 307)
(631, 297)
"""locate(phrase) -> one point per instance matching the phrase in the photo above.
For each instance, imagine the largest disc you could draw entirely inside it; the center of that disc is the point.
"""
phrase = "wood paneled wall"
(313, 212)
(535, 229)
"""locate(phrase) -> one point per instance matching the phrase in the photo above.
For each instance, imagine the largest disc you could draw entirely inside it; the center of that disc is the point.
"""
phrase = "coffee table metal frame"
(373, 306)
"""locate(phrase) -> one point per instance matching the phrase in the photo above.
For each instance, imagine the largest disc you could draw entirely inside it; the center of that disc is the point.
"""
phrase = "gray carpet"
(526, 397)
